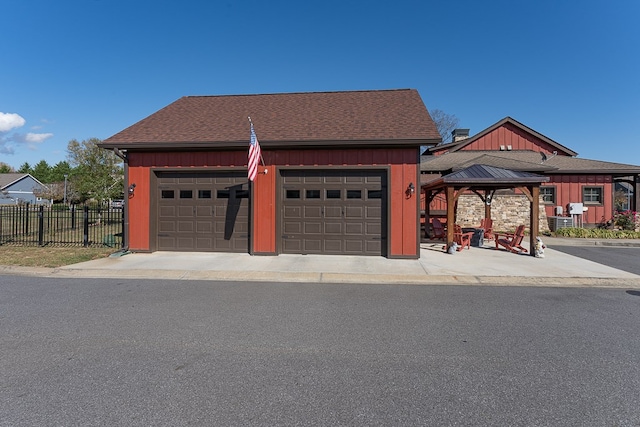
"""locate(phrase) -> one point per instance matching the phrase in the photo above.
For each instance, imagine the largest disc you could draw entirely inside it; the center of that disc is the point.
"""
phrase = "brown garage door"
(205, 212)
(333, 212)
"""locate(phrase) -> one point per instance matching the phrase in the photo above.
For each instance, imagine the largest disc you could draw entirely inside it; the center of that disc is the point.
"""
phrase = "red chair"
(487, 225)
(438, 229)
(511, 241)
(462, 239)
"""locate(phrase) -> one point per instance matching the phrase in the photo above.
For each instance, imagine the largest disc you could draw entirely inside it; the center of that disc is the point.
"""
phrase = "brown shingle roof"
(523, 160)
(385, 116)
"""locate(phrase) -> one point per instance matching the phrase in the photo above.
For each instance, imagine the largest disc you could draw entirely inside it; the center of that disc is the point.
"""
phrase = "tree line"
(89, 173)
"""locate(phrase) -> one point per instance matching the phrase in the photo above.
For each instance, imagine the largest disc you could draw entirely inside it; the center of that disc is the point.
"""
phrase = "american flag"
(254, 155)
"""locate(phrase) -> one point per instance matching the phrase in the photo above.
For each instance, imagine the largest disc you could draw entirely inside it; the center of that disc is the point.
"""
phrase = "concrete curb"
(328, 278)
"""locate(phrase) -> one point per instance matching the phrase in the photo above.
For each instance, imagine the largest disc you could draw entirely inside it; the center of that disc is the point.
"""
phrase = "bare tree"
(445, 123)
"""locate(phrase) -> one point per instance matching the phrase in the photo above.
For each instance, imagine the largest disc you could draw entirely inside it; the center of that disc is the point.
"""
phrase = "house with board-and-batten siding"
(339, 174)
(580, 190)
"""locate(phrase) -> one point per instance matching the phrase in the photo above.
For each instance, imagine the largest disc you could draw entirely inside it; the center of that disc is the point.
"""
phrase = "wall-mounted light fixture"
(132, 188)
(411, 189)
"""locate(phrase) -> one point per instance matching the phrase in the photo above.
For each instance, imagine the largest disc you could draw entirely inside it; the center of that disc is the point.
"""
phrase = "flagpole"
(261, 158)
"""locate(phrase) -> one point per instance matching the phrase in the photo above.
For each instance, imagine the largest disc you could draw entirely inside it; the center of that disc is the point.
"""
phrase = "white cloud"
(10, 121)
(37, 137)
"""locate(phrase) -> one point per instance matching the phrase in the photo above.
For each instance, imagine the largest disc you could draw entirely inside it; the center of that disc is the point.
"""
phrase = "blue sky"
(76, 69)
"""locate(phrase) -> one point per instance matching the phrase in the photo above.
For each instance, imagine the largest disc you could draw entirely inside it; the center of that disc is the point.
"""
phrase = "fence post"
(41, 225)
(123, 224)
(26, 220)
(85, 241)
(73, 217)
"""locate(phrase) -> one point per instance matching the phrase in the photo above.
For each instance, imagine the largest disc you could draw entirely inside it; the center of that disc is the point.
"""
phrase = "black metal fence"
(61, 225)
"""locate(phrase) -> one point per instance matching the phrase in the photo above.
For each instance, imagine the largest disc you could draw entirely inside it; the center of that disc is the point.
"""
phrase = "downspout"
(125, 237)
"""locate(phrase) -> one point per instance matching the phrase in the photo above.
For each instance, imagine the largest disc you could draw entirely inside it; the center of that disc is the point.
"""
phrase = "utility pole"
(65, 189)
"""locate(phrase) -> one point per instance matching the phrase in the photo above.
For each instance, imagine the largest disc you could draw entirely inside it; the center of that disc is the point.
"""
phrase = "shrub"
(627, 220)
(597, 233)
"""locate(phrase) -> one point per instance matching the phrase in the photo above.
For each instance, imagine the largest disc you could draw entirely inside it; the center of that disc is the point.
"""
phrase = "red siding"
(511, 135)
(569, 190)
(403, 169)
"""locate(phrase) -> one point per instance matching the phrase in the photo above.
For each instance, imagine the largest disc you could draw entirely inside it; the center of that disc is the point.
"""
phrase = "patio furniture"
(461, 238)
(438, 229)
(511, 241)
(487, 225)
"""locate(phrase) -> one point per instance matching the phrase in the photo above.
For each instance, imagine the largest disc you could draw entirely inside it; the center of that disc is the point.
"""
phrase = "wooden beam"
(451, 211)
(535, 216)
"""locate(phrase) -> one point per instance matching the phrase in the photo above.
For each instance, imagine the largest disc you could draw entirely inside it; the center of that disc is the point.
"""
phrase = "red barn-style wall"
(403, 232)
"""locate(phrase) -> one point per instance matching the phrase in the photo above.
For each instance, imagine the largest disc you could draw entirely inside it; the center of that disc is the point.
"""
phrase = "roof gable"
(508, 127)
(386, 116)
(9, 179)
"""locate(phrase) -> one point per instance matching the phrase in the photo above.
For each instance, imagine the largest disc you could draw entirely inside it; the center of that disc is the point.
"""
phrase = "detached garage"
(337, 175)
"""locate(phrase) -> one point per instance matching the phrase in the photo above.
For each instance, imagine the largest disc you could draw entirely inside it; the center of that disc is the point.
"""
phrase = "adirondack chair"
(438, 229)
(462, 239)
(511, 241)
(487, 225)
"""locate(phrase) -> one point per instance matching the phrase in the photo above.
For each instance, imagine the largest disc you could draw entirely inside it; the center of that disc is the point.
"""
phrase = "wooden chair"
(438, 229)
(487, 225)
(462, 239)
(511, 241)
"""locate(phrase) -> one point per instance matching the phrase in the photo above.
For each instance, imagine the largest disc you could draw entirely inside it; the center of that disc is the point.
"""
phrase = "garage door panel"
(373, 228)
(354, 246)
(333, 212)
(354, 228)
(204, 227)
(354, 212)
(333, 227)
(313, 212)
(313, 228)
(373, 212)
(338, 211)
(292, 212)
(185, 226)
(293, 227)
(166, 226)
(333, 246)
(191, 216)
(167, 211)
(312, 246)
(292, 246)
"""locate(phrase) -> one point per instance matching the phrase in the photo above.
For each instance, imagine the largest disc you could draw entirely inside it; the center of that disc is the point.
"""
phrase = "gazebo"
(484, 181)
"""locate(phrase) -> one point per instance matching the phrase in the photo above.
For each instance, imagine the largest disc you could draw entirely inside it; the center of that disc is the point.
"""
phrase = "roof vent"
(502, 148)
(509, 148)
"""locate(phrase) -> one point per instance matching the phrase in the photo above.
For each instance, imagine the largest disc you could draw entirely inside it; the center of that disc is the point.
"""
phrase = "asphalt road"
(622, 258)
(140, 353)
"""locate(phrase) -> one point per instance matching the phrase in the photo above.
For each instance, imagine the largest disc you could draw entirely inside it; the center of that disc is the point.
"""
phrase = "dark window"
(548, 194)
(592, 195)
(374, 194)
(223, 194)
(313, 194)
(354, 194)
(333, 194)
(167, 194)
(204, 194)
(186, 194)
(293, 194)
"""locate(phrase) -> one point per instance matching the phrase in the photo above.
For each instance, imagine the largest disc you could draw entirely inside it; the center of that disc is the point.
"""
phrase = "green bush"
(625, 220)
(597, 233)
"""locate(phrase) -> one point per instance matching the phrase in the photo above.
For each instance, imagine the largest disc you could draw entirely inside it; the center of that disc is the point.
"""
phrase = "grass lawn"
(36, 256)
